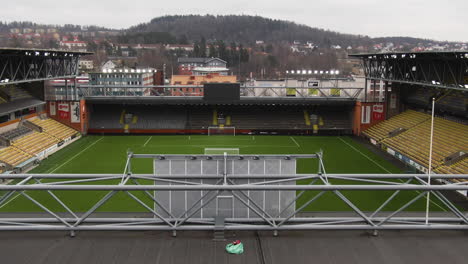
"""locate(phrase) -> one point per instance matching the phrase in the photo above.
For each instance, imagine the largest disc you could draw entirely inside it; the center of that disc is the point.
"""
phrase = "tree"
(212, 51)
(222, 52)
(244, 54)
(272, 61)
(196, 50)
(203, 47)
(92, 46)
(183, 40)
(233, 55)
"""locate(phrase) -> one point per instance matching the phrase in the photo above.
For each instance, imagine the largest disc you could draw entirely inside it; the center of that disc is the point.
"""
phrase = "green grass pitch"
(107, 154)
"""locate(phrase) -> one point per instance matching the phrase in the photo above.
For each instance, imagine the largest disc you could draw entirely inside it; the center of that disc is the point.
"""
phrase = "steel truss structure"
(26, 65)
(447, 70)
(136, 186)
(186, 92)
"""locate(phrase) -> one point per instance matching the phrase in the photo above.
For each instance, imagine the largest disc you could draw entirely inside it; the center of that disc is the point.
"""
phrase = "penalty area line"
(146, 143)
(295, 142)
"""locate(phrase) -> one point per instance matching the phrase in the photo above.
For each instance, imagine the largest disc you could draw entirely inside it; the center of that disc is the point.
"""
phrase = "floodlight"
(315, 72)
(310, 72)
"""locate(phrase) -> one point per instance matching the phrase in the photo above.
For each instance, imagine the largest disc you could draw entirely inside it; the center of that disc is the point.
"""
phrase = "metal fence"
(251, 192)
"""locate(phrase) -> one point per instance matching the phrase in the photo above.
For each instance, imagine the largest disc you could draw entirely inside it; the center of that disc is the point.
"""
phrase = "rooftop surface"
(425, 53)
(198, 247)
(14, 51)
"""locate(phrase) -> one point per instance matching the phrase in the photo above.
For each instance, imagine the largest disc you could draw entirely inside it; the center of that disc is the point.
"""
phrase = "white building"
(74, 45)
(108, 65)
(86, 64)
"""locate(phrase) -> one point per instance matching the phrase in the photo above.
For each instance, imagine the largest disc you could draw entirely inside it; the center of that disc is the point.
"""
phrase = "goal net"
(221, 151)
(228, 131)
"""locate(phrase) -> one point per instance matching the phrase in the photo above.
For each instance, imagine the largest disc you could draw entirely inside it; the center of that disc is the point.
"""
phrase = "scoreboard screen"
(221, 92)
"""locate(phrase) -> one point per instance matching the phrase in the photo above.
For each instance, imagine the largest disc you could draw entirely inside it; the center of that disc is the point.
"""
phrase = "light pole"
(430, 160)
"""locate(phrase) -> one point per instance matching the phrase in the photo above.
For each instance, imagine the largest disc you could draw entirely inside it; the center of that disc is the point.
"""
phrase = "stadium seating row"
(460, 167)
(13, 156)
(199, 117)
(15, 133)
(32, 143)
(54, 128)
(449, 137)
(405, 120)
(14, 92)
(35, 142)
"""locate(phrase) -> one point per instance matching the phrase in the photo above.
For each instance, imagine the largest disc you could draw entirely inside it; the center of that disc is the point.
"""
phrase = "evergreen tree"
(222, 53)
(196, 50)
(233, 55)
(212, 51)
(202, 52)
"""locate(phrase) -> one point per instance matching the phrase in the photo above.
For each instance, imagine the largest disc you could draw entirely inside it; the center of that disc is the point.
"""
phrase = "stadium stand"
(449, 137)
(266, 118)
(13, 156)
(13, 93)
(35, 142)
(15, 133)
(201, 117)
(450, 101)
(27, 143)
(460, 167)
(405, 120)
(54, 128)
(160, 118)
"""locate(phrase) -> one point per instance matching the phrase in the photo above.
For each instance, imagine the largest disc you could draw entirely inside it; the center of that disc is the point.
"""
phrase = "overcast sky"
(434, 19)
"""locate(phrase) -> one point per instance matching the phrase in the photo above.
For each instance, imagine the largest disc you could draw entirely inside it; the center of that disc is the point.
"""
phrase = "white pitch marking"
(357, 150)
(16, 196)
(297, 144)
(11, 200)
(79, 153)
(383, 168)
(146, 143)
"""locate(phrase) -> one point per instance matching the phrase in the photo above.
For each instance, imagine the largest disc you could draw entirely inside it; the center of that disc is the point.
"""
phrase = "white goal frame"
(221, 129)
(221, 151)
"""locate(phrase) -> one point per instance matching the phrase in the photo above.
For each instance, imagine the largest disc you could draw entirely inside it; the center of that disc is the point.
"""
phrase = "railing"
(67, 218)
(194, 92)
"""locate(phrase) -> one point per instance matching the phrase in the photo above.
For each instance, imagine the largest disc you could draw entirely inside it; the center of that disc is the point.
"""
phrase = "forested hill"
(248, 29)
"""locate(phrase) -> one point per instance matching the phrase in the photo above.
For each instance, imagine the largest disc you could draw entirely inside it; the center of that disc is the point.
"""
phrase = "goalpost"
(221, 151)
(228, 131)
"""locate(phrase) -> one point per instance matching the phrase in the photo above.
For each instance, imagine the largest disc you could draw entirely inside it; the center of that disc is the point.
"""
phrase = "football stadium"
(375, 171)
